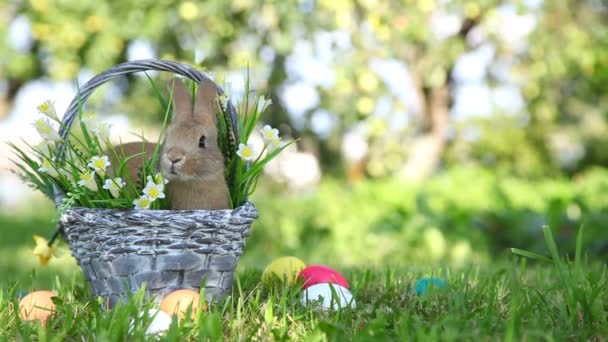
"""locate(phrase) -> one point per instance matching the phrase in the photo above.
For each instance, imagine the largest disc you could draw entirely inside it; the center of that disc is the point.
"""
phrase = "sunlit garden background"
(432, 133)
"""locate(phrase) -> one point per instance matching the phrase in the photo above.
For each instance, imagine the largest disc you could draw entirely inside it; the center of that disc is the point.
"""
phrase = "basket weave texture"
(121, 250)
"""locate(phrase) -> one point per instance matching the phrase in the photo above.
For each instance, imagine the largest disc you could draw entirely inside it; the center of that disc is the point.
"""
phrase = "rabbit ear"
(204, 106)
(182, 101)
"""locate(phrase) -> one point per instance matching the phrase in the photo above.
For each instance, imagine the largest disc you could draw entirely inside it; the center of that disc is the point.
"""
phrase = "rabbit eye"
(202, 142)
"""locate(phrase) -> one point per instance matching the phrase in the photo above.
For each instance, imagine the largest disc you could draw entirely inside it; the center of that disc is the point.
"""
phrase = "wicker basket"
(121, 250)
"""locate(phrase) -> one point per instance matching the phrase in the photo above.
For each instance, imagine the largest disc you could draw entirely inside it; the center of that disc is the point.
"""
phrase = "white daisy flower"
(247, 152)
(269, 134)
(46, 130)
(154, 191)
(48, 168)
(142, 203)
(102, 129)
(48, 108)
(264, 102)
(114, 186)
(158, 179)
(87, 179)
(275, 144)
(99, 164)
(45, 148)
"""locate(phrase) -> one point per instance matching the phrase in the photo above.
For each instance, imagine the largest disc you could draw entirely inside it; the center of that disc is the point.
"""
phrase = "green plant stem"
(54, 237)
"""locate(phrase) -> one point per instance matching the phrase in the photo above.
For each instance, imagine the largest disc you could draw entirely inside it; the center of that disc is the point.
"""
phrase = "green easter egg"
(283, 270)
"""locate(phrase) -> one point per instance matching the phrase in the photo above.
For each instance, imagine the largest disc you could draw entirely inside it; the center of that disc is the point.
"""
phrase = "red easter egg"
(319, 274)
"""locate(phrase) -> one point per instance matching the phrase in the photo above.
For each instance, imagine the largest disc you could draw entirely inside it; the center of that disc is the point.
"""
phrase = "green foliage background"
(561, 68)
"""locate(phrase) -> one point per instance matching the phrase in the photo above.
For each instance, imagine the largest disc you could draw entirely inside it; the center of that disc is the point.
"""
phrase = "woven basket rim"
(187, 219)
(154, 212)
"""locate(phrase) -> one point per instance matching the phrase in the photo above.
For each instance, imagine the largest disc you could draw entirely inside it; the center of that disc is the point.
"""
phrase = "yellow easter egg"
(178, 302)
(37, 305)
(283, 270)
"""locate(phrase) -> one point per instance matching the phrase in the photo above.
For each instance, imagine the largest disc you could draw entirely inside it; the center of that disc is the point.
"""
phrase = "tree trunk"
(426, 150)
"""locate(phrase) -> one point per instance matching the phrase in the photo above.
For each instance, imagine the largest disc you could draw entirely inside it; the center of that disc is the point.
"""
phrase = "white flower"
(264, 102)
(269, 134)
(48, 108)
(45, 148)
(102, 129)
(46, 130)
(247, 152)
(154, 191)
(142, 203)
(48, 168)
(158, 180)
(88, 180)
(275, 144)
(114, 185)
(99, 164)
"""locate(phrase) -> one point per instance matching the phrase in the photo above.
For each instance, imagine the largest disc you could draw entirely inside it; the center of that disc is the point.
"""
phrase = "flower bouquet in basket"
(169, 214)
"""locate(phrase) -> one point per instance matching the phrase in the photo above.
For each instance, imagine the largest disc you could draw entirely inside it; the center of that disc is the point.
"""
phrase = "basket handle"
(128, 68)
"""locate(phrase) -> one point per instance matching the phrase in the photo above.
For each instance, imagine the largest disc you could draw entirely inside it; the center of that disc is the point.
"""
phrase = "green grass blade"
(550, 241)
(157, 92)
(530, 255)
(578, 254)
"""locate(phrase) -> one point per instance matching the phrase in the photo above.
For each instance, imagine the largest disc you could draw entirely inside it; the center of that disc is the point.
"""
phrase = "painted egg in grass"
(161, 322)
(328, 296)
(283, 270)
(37, 305)
(319, 274)
(178, 302)
(426, 284)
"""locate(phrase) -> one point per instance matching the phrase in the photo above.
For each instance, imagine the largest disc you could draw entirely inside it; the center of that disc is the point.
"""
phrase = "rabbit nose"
(174, 156)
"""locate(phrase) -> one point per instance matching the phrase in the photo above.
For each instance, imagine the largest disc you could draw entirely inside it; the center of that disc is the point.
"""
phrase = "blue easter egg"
(424, 284)
(20, 294)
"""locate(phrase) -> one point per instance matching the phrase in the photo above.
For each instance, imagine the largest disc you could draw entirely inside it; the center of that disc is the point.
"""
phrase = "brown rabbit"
(190, 157)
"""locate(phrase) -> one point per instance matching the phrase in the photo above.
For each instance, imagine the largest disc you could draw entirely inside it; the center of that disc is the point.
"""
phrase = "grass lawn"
(511, 302)
(516, 299)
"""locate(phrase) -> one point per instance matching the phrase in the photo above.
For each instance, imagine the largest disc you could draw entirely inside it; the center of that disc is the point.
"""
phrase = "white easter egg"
(322, 295)
(160, 323)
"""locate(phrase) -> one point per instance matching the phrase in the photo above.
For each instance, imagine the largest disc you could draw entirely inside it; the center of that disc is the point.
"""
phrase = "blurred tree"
(356, 64)
(562, 73)
(566, 82)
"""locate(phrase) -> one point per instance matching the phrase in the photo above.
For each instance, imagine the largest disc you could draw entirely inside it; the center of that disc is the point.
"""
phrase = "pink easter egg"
(319, 274)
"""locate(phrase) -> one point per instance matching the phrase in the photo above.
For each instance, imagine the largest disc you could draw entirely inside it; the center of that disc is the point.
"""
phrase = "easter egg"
(328, 296)
(319, 274)
(423, 285)
(36, 305)
(178, 302)
(283, 270)
(161, 322)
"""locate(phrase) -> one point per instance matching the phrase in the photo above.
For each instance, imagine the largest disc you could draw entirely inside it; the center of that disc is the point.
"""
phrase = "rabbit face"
(190, 151)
